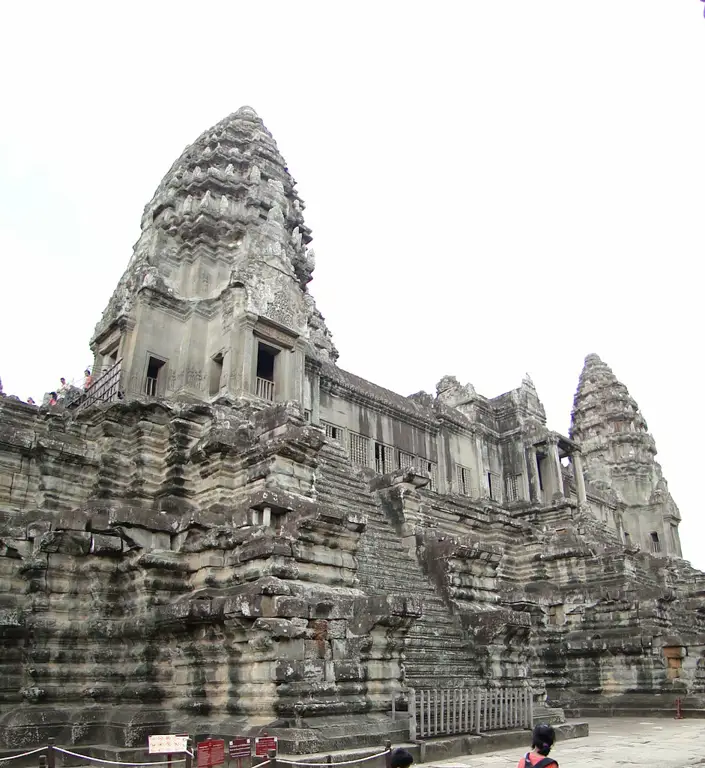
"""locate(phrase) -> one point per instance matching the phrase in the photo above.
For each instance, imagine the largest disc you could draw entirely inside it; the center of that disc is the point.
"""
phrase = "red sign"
(263, 744)
(240, 747)
(211, 752)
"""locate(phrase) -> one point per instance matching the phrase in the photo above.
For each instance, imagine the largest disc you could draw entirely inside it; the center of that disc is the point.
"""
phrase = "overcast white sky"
(493, 187)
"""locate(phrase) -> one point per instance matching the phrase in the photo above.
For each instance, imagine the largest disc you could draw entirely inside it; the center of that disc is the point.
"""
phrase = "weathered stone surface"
(230, 532)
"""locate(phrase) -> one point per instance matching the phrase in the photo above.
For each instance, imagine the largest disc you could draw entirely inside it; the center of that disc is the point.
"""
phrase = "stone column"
(315, 398)
(482, 489)
(444, 484)
(577, 460)
(243, 364)
(295, 385)
(534, 484)
(554, 464)
(525, 492)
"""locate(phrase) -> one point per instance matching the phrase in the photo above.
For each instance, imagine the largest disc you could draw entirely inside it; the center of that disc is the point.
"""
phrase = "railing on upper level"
(104, 389)
(150, 386)
(264, 389)
(443, 712)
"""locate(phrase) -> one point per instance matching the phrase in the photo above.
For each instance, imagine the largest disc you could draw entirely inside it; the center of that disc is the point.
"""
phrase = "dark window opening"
(539, 462)
(627, 539)
(655, 543)
(154, 368)
(265, 362)
(216, 374)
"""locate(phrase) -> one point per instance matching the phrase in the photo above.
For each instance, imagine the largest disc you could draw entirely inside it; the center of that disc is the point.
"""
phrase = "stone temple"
(230, 533)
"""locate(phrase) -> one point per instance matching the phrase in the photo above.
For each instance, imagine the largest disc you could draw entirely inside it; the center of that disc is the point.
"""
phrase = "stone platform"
(626, 742)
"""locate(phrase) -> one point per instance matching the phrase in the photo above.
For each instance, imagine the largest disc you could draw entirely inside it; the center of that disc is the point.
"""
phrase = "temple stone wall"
(248, 537)
(137, 595)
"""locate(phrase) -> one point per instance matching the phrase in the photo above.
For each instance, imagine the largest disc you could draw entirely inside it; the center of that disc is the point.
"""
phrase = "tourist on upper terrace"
(53, 398)
(87, 379)
(542, 740)
(63, 389)
(30, 401)
(400, 758)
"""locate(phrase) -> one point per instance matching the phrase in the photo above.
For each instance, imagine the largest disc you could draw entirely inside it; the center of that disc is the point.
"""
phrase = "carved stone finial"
(276, 214)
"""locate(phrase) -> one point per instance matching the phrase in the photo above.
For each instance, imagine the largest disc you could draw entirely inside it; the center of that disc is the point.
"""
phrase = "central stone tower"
(214, 300)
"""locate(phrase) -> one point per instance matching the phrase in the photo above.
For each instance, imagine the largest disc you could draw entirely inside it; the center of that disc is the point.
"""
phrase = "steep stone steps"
(435, 650)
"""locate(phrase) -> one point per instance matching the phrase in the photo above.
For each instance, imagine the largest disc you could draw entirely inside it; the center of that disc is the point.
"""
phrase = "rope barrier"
(24, 754)
(335, 764)
(173, 762)
(115, 762)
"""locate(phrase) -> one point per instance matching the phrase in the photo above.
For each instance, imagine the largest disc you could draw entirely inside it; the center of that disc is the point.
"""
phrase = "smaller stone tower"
(214, 301)
(619, 457)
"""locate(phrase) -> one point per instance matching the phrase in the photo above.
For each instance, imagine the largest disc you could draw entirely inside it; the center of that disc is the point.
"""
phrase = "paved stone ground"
(642, 743)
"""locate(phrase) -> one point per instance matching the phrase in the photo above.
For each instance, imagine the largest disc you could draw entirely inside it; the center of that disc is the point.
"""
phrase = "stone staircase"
(436, 655)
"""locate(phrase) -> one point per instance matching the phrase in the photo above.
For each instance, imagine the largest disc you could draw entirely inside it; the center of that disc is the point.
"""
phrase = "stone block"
(338, 608)
(285, 606)
(309, 670)
(105, 545)
(348, 670)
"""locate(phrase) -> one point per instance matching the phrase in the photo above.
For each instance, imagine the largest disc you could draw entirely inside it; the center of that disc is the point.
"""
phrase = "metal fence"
(447, 711)
(104, 389)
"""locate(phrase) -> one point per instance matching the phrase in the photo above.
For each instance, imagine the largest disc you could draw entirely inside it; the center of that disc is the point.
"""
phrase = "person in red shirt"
(542, 740)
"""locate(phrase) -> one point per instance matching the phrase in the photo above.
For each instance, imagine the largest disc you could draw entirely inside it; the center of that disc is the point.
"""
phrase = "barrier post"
(189, 758)
(51, 754)
(412, 714)
(42, 761)
(388, 753)
(329, 759)
(272, 755)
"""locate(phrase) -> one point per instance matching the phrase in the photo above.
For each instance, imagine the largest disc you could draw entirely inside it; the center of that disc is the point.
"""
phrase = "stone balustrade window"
(154, 380)
(432, 468)
(407, 460)
(359, 450)
(333, 431)
(384, 459)
(513, 485)
(655, 543)
(494, 486)
(463, 480)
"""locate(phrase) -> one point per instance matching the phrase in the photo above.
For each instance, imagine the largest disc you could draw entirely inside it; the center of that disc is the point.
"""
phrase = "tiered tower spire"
(223, 246)
(619, 455)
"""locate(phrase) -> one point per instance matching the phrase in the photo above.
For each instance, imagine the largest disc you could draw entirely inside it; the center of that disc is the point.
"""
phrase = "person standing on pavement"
(542, 740)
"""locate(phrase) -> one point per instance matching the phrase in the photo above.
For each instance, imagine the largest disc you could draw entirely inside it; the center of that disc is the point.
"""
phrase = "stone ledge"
(456, 746)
